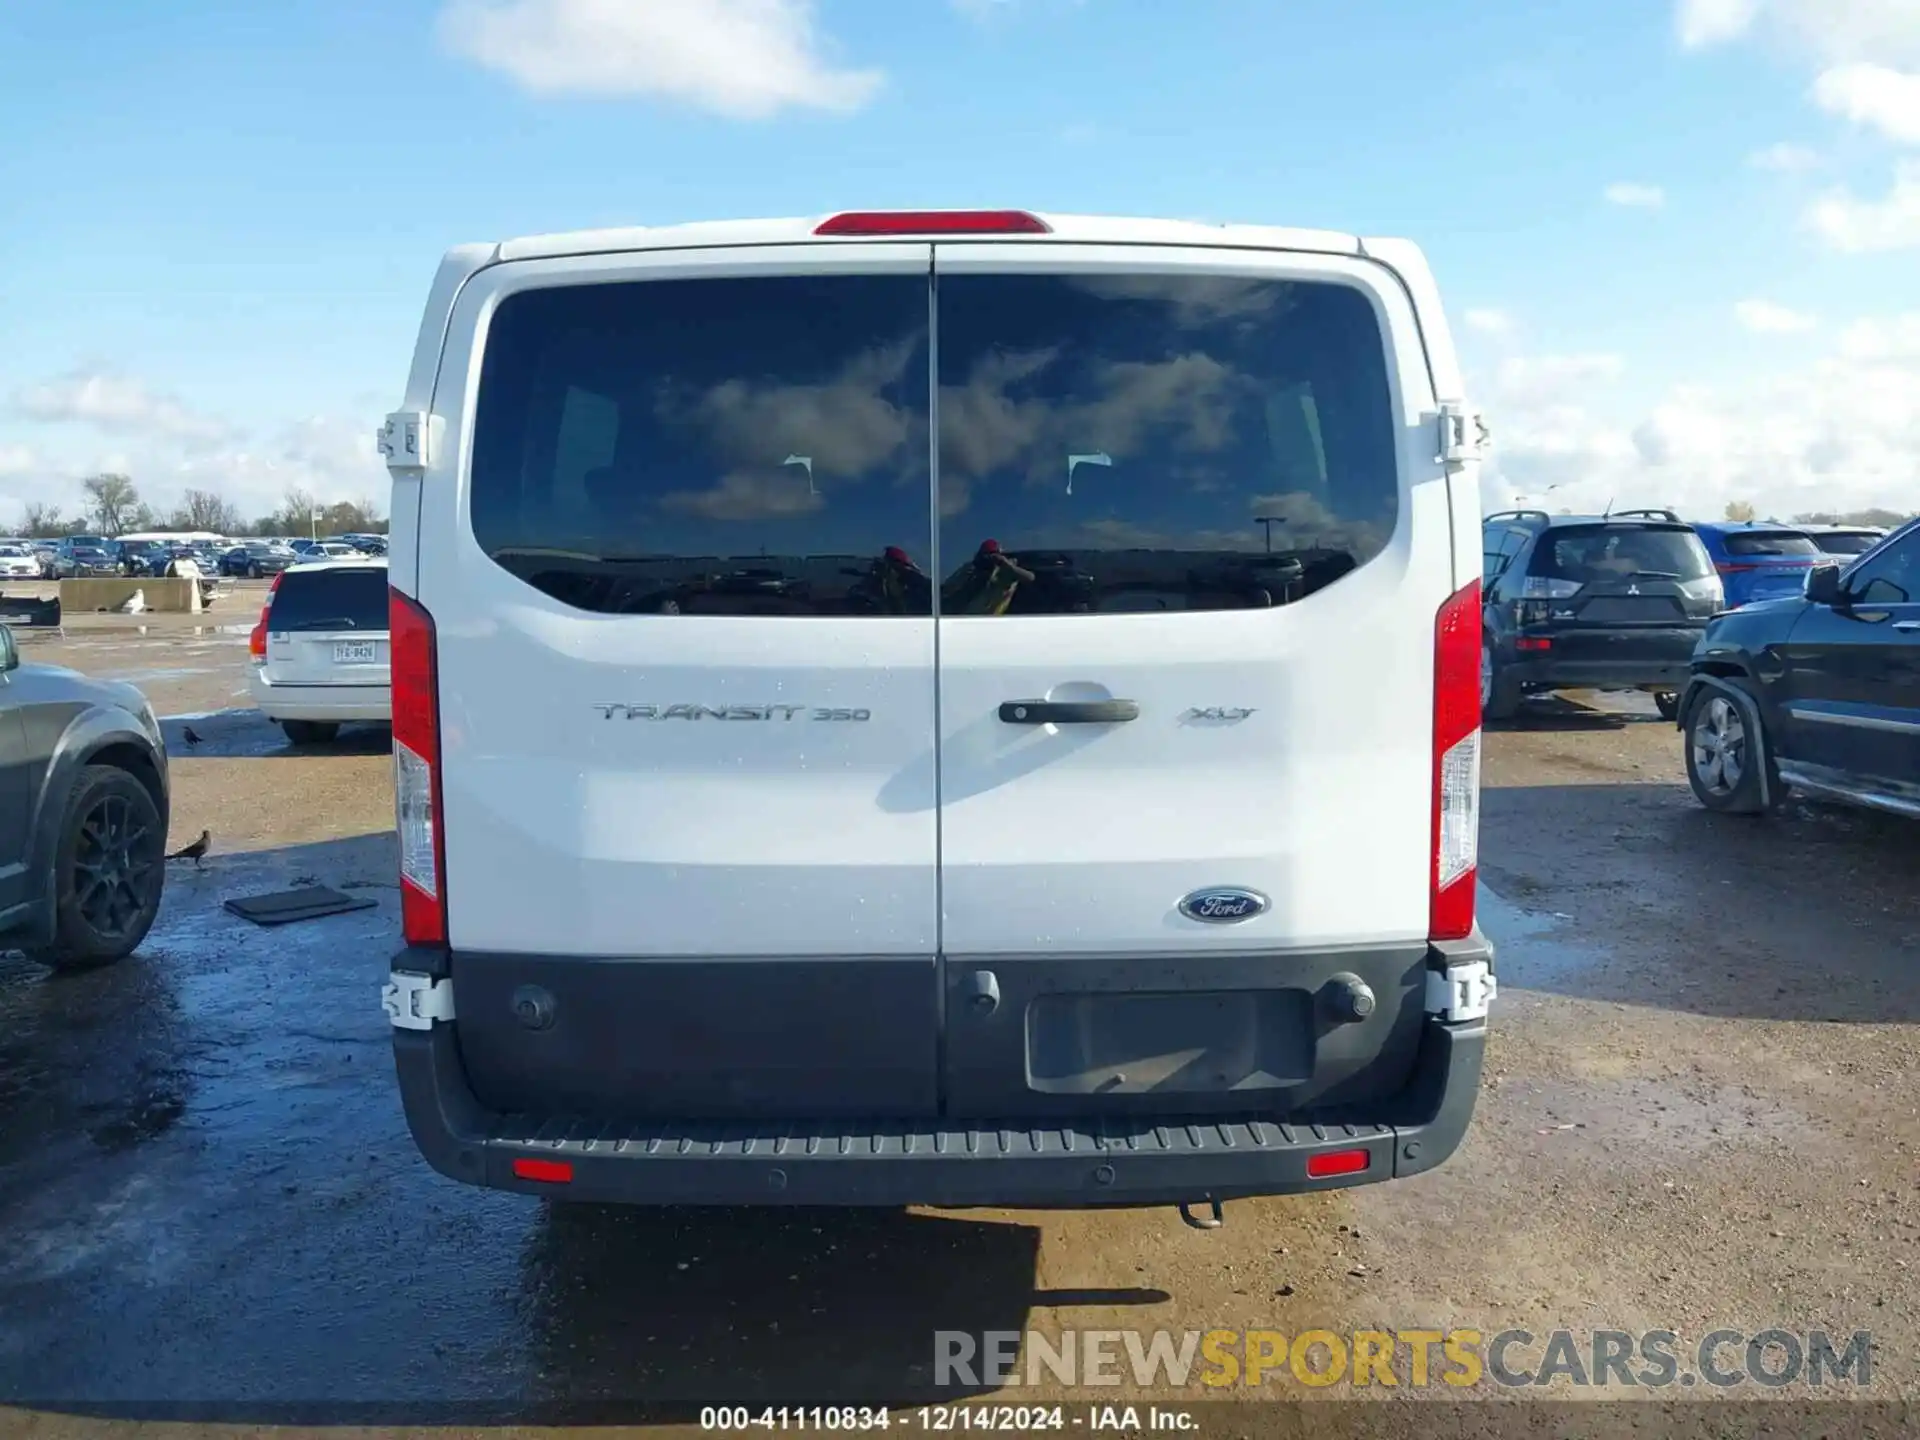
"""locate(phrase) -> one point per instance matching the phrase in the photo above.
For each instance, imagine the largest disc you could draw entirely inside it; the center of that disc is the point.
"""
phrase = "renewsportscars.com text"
(1414, 1359)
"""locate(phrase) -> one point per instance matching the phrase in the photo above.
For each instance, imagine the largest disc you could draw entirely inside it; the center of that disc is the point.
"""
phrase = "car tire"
(253, 571)
(1723, 759)
(310, 732)
(109, 871)
(1667, 702)
(1499, 692)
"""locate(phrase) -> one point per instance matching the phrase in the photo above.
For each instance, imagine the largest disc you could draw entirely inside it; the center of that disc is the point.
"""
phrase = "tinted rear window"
(1857, 544)
(1151, 443)
(738, 446)
(349, 598)
(1598, 553)
(1763, 543)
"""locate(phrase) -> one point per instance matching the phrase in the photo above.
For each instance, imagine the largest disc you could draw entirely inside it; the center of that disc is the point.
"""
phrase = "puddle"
(1535, 948)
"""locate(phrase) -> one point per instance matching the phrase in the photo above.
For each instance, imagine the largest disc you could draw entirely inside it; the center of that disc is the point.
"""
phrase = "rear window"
(349, 598)
(1600, 553)
(1857, 543)
(1771, 542)
(731, 446)
(1146, 443)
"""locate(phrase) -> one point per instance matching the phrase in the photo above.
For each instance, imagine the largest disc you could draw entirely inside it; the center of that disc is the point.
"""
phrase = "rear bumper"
(1038, 1162)
(1602, 659)
(320, 702)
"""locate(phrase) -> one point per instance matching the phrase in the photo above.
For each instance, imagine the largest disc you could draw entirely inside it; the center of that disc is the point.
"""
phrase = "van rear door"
(686, 656)
(1193, 542)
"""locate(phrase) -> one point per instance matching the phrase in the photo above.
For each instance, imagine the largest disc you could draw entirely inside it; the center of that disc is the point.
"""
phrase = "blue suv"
(1759, 559)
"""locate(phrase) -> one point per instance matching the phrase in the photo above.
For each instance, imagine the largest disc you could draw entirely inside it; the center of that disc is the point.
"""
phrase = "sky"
(1678, 240)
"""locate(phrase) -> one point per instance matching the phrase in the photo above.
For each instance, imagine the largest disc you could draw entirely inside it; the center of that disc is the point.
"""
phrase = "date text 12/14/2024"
(743, 1419)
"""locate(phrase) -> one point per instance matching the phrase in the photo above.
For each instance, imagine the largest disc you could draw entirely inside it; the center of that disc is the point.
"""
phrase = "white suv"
(959, 708)
(320, 648)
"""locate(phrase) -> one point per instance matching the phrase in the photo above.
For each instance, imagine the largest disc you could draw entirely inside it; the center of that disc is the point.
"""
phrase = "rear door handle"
(1906, 624)
(1069, 712)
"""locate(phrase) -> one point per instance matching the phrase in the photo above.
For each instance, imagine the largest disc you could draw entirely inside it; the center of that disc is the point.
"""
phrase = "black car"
(1819, 692)
(143, 557)
(1606, 602)
(256, 558)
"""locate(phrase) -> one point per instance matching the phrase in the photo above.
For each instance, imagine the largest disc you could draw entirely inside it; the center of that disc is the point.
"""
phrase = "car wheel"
(253, 571)
(1499, 695)
(310, 732)
(109, 868)
(1667, 702)
(1724, 757)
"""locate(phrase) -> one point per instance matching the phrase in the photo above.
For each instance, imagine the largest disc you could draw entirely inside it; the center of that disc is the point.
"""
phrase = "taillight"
(933, 222)
(416, 770)
(257, 637)
(1456, 765)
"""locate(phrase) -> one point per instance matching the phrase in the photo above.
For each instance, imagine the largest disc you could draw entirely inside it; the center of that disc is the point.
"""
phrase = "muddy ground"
(1699, 1114)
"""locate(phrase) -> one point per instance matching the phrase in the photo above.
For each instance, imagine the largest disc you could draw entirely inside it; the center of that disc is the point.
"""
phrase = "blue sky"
(1679, 239)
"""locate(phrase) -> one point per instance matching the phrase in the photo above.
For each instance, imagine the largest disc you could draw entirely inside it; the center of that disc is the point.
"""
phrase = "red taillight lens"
(1533, 642)
(1456, 765)
(1336, 1162)
(554, 1172)
(257, 637)
(933, 222)
(416, 770)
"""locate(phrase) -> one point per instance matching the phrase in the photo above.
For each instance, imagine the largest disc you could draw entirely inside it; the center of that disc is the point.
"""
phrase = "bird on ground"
(188, 734)
(196, 851)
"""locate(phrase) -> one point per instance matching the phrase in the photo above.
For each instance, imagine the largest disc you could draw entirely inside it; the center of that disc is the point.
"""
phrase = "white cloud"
(745, 59)
(1489, 322)
(1838, 433)
(1857, 226)
(1644, 197)
(1884, 31)
(1784, 157)
(16, 460)
(117, 404)
(1765, 317)
(1875, 96)
(1712, 22)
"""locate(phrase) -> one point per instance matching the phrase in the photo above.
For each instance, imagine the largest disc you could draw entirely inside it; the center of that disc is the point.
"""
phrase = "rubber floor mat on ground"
(283, 907)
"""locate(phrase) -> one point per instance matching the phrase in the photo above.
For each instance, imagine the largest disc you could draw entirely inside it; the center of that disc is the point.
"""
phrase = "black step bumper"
(1018, 1163)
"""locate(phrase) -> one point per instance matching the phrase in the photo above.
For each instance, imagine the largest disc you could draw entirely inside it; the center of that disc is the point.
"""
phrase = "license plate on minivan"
(354, 652)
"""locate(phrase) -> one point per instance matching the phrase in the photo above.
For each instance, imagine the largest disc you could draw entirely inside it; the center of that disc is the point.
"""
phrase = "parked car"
(303, 546)
(143, 557)
(332, 550)
(1844, 540)
(18, 562)
(1614, 601)
(1197, 877)
(83, 813)
(1818, 692)
(320, 649)
(256, 558)
(1758, 559)
(83, 556)
(47, 553)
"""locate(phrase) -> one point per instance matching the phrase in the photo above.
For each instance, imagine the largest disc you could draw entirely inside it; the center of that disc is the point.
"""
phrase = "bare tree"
(42, 520)
(205, 510)
(1740, 511)
(299, 513)
(115, 502)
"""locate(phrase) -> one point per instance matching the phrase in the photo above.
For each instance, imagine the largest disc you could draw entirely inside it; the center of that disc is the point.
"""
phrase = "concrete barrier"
(81, 595)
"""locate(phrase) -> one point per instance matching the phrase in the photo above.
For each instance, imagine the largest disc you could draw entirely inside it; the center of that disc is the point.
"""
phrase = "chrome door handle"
(1906, 624)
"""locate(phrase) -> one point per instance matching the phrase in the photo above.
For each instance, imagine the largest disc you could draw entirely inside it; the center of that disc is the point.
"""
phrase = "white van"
(957, 708)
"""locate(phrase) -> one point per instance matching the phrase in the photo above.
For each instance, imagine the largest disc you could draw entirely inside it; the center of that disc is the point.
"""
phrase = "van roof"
(1068, 229)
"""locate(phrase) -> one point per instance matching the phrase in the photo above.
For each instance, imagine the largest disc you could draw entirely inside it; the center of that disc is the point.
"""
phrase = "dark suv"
(83, 813)
(1605, 602)
(1819, 691)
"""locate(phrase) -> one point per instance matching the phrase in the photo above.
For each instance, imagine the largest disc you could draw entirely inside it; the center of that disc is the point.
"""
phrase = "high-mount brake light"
(933, 222)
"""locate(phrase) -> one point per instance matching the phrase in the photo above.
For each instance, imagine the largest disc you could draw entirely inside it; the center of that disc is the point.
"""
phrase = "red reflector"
(1533, 644)
(553, 1172)
(1336, 1162)
(933, 222)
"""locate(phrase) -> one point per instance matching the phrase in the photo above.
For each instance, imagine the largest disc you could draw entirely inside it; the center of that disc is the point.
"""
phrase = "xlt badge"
(729, 712)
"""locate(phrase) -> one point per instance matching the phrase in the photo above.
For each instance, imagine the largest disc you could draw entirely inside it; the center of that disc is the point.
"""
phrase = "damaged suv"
(874, 709)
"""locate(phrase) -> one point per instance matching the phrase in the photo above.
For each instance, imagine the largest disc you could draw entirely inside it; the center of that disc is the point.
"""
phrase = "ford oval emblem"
(1223, 905)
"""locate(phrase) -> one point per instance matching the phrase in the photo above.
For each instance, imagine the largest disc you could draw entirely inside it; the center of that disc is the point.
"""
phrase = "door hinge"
(405, 440)
(1461, 992)
(1463, 434)
(414, 1002)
